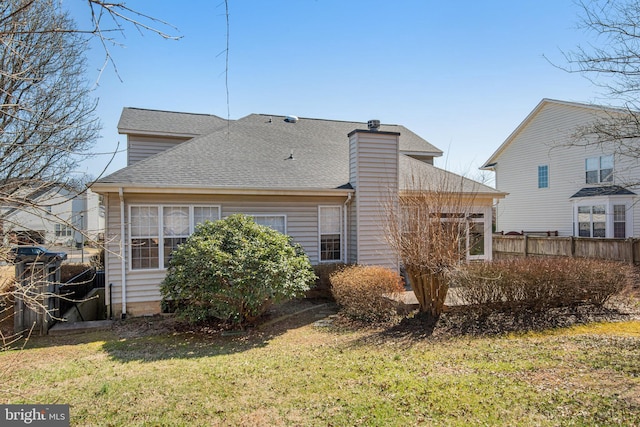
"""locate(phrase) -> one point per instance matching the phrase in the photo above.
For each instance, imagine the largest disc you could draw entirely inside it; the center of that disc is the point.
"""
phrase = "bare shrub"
(362, 292)
(540, 283)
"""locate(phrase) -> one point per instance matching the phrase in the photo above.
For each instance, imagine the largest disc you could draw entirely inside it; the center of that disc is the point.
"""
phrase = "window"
(619, 221)
(330, 231)
(63, 230)
(144, 237)
(543, 176)
(277, 222)
(592, 221)
(156, 231)
(599, 169)
(175, 228)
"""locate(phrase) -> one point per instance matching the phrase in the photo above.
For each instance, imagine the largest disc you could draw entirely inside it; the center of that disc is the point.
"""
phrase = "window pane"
(592, 177)
(275, 222)
(175, 221)
(599, 229)
(476, 239)
(606, 162)
(144, 221)
(170, 244)
(543, 176)
(330, 220)
(592, 164)
(584, 229)
(204, 213)
(144, 253)
(619, 221)
(606, 175)
(330, 247)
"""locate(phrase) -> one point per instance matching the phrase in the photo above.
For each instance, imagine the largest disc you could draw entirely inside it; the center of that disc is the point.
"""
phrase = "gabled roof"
(259, 152)
(607, 190)
(170, 123)
(492, 161)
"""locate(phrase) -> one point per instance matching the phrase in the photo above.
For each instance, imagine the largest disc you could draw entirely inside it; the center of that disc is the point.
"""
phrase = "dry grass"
(298, 374)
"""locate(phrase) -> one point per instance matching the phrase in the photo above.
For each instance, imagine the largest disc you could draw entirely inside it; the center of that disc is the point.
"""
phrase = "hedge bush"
(234, 269)
(540, 283)
(359, 291)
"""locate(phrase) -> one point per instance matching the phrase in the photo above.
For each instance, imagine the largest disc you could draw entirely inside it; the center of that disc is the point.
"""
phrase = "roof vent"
(291, 119)
(374, 125)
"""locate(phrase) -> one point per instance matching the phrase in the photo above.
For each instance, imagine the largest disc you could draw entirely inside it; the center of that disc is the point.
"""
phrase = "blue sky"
(462, 74)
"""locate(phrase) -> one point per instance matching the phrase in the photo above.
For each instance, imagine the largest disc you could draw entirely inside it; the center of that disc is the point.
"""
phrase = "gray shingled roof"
(169, 122)
(253, 152)
(607, 190)
(416, 175)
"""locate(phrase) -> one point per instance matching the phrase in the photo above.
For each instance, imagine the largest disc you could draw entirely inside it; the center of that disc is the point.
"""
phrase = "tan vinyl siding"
(143, 285)
(543, 142)
(140, 147)
(375, 178)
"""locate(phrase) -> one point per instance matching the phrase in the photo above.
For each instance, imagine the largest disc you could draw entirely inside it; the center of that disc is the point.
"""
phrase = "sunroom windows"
(158, 230)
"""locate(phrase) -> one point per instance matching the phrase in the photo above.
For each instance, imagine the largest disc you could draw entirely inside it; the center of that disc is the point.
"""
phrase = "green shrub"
(234, 269)
(359, 291)
(540, 283)
(322, 288)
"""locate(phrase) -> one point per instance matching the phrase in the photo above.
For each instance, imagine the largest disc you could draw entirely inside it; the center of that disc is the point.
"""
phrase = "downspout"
(346, 229)
(123, 260)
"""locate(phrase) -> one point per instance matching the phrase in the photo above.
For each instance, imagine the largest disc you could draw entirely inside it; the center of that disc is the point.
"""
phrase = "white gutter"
(102, 188)
(123, 260)
(346, 229)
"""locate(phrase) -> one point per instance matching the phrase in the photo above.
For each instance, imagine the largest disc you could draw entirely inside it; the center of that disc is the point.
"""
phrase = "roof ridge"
(175, 112)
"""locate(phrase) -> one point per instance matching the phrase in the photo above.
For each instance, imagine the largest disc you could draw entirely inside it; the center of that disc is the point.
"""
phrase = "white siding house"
(54, 215)
(556, 185)
(322, 182)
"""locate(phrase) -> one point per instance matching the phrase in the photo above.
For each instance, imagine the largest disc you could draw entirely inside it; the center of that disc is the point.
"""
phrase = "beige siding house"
(322, 182)
(554, 184)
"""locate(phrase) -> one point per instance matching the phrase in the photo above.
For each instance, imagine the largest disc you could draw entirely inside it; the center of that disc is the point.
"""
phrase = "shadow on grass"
(148, 340)
(466, 321)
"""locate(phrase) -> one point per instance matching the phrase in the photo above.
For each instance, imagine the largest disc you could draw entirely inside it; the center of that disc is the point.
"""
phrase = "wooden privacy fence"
(522, 246)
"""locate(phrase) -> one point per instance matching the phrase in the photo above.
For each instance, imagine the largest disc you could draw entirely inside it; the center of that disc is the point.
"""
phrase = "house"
(52, 214)
(323, 182)
(561, 183)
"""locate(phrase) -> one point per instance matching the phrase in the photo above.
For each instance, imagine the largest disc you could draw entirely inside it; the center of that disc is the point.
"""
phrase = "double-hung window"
(63, 230)
(599, 169)
(156, 231)
(592, 221)
(330, 233)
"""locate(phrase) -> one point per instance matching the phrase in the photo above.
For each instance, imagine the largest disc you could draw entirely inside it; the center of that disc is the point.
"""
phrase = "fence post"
(526, 245)
(573, 246)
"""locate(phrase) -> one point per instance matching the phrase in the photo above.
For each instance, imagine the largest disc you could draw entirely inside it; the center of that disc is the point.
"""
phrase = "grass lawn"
(298, 374)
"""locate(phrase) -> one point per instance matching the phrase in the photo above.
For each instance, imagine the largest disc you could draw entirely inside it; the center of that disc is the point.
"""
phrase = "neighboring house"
(53, 215)
(557, 183)
(323, 182)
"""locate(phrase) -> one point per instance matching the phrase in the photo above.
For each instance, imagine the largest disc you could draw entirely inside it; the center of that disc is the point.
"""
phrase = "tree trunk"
(430, 290)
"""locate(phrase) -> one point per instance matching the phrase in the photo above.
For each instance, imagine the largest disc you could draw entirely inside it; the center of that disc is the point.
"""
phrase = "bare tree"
(611, 62)
(428, 230)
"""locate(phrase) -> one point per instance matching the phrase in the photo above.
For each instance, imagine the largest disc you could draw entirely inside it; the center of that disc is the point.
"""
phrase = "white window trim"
(342, 235)
(160, 235)
(599, 169)
(608, 203)
(264, 215)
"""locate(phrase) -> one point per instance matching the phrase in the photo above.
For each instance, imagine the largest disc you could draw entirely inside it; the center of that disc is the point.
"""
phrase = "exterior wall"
(140, 147)
(374, 175)
(142, 286)
(82, 212)
(540, 142)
